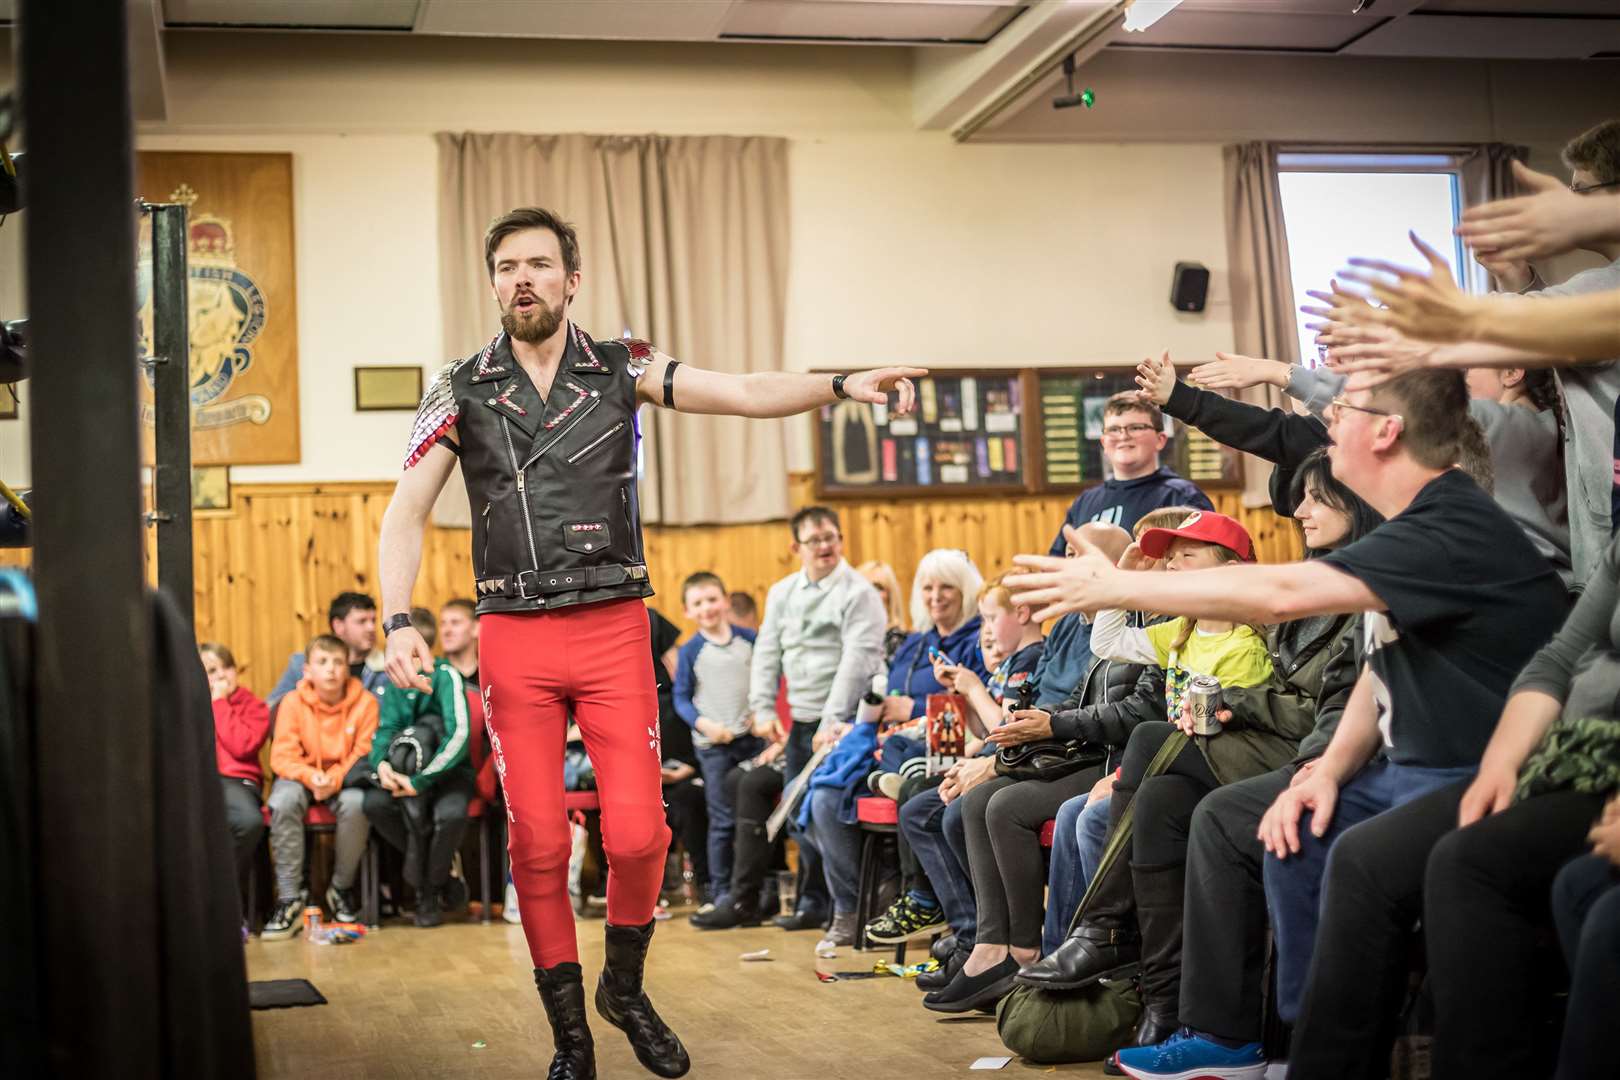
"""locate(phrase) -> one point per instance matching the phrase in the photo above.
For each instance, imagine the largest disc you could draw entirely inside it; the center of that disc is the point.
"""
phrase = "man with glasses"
(1456, 601)
(823, 632)
(1132, 438)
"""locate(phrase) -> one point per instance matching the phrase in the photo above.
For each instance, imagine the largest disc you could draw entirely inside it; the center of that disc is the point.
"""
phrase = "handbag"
(1053, 1026)
(1047, 759)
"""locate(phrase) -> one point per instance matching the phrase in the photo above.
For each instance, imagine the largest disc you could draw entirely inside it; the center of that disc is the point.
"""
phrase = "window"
(1336, 206)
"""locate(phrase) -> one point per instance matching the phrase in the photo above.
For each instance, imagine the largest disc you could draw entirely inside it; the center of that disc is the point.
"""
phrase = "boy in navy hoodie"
(711, 695)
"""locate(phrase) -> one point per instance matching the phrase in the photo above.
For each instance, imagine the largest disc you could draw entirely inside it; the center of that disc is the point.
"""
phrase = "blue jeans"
(925, 821)
(840, 847)
(1294, 885)
(714, 762)
(1078, 839)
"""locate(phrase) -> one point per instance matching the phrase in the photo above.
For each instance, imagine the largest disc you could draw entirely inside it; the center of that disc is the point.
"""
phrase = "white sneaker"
(509, 911)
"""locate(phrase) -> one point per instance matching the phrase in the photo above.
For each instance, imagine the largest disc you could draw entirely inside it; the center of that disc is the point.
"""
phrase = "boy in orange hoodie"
(323, 728)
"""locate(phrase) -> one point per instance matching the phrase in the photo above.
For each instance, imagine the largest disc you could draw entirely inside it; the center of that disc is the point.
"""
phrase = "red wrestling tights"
(594, 659)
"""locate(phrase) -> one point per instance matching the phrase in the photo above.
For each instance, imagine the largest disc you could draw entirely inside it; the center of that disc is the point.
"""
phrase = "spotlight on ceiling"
(1071, 99)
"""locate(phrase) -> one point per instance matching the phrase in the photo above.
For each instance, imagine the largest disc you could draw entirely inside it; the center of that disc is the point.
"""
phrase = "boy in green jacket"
(426, 809)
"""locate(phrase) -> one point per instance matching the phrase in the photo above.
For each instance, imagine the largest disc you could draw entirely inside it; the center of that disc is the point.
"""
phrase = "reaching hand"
(1279, 829)
(1157, 378)
(874, 386)
(960, 680)
(387, 777)
(409, 658)
(1232, 371)
(1549, 220)
(1418, 305)
(1058, 586)
(1133, 558)
(1490, 793)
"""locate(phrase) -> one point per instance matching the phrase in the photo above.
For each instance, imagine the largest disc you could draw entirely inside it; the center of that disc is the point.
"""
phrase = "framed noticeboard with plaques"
(966, 436)
(1069, 403)
(995, 431)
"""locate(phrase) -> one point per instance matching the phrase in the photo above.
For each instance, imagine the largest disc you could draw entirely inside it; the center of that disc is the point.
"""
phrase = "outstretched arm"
(399, 557)
(764, 394)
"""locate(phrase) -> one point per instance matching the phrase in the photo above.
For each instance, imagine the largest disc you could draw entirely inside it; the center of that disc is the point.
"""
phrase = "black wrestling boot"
(622, 1003)
(1105, 945)
(562, 991)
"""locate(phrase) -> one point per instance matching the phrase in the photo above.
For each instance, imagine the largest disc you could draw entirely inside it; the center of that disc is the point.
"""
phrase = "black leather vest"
(551, 484)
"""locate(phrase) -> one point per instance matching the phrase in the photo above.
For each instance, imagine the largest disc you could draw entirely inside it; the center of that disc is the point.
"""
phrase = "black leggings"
(1003, 819)
(1164, 803)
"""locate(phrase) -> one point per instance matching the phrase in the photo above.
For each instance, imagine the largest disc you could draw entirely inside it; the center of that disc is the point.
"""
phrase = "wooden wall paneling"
(267, 569)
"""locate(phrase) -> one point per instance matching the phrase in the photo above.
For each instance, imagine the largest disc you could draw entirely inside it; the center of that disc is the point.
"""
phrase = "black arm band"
(669, 384)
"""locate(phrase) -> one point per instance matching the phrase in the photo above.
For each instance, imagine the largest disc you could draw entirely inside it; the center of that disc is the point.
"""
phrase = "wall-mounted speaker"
(1189, 287)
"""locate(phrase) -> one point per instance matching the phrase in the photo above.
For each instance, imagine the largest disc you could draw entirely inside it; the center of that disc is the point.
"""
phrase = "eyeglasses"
(1126, 431)
(1584, 189)
(820, 540)
(1339, 403)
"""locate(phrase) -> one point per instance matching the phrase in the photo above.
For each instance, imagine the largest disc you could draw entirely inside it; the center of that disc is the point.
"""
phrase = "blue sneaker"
(1185, 1056)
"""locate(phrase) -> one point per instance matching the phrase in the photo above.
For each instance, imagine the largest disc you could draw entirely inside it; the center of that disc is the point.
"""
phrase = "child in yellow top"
(1234, 653)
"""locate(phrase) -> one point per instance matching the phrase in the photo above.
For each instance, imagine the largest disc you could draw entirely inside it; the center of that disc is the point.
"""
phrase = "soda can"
(1203, 701)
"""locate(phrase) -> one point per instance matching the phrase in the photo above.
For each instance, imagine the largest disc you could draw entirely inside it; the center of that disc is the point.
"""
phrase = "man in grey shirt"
(823, 631)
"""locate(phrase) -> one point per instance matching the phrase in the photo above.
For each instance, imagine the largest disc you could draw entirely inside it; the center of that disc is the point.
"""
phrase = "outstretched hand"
(1234, 371)
(1156, 378)
(409, 659)
(1055, 586)
(1548, 220)
(874, 385)
(1418, 304)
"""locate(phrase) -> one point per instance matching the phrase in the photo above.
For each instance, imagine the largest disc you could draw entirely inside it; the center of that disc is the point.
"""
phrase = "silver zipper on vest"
(596, 400)
(528, 520)
(598, 441)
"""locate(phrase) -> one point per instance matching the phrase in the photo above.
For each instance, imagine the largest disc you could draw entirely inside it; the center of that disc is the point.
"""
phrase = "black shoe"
(934, 981)
(454, 894)
(1159, 910)
(1089, 953)
(285, 920)
(562, 991)
(724, 916)
(621, 1002)
(969, 992)
(344, 904)
(1153, 1029)
(428, 913)
(803, 919)
(942, 947)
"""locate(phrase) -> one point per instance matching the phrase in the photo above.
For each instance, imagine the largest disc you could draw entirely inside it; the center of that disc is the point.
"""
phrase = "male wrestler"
(544, 422)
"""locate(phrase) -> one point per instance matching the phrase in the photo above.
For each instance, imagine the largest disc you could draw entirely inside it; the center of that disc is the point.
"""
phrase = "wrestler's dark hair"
(531, 217)
(813, 514)
(702, 579)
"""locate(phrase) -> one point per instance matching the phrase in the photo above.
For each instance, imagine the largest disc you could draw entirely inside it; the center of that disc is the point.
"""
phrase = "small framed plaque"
(211, 487)
(386, 389)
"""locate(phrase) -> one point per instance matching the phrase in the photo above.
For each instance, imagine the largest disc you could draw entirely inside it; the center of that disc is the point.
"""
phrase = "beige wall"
(906, 246)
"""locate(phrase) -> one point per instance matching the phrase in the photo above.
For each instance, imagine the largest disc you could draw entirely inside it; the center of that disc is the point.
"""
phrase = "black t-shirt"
(1469, 602)
(665, 636)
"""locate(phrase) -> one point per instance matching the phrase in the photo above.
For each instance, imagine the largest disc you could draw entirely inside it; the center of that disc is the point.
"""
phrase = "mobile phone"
(936, 656)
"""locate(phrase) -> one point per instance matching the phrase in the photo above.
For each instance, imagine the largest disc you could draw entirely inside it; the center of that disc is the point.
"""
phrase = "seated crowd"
(1369, 794)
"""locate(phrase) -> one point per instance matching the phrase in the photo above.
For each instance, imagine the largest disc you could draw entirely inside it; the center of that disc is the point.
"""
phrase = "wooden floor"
(459, 1001)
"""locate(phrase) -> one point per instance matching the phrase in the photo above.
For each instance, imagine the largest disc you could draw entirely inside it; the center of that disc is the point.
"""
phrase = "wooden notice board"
(243, 316)
(984, 431)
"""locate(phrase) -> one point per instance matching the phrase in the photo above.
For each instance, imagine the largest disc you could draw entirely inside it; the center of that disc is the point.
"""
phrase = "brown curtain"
(1263, 302)
(1257, 266)
(683, 242)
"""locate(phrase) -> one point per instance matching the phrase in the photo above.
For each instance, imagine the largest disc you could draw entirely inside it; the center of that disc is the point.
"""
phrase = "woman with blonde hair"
(883, 579)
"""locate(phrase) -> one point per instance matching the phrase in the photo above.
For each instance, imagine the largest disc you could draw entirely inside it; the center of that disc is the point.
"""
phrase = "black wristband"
(838, 387)
(669, 383)
(395, 622)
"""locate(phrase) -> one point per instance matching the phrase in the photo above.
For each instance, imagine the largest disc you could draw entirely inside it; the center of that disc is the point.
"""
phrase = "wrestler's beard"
(539, 326)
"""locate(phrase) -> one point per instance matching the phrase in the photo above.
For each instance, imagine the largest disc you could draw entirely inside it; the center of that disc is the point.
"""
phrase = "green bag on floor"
(1056, 1026)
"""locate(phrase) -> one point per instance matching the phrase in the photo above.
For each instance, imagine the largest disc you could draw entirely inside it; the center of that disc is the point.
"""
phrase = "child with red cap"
(1234, 653)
